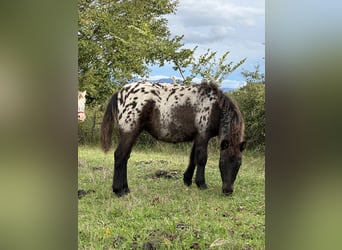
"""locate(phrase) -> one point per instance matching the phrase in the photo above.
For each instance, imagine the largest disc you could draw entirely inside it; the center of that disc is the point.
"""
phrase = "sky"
(237, 26)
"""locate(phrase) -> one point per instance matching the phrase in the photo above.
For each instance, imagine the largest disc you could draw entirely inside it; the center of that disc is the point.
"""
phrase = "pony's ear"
(224, 144)
(243, 146)
(84, 93)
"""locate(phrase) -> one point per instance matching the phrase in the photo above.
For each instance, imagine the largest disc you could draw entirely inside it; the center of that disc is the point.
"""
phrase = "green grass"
(163, 212)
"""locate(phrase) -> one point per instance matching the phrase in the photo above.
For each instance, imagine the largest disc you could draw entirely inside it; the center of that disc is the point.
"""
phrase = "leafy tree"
(118, 39)
(255, 76)
(207, 66)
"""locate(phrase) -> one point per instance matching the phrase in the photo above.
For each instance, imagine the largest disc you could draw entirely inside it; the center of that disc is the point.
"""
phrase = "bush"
(251, 101)
(89, 130)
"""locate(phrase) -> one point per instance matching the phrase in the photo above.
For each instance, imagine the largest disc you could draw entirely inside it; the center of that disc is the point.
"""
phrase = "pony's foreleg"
(121, 156)
(201, 156)
(189, 172)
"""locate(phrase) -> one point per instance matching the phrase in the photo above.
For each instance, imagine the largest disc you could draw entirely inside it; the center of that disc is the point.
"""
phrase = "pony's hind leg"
(189, 172)
(121, 156)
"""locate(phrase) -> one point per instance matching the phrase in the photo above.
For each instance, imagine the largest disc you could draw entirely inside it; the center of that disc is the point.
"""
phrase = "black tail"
(107, 125)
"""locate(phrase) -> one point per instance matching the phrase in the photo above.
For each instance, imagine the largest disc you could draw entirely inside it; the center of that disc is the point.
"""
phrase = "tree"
(206, 66)
(117, 40)
(255, 76)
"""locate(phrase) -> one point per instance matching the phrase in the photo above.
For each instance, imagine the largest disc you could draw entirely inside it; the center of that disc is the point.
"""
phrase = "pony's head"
(232, 143)
(230, 162)
(81, 105)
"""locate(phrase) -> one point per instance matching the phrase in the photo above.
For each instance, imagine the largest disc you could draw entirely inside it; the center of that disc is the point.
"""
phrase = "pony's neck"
(224, 130)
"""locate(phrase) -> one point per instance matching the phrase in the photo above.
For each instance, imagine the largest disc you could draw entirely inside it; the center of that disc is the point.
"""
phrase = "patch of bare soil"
(82, 193)
(166, 174)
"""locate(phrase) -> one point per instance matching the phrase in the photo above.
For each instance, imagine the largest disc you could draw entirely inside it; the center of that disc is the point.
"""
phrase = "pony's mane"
(232, 124)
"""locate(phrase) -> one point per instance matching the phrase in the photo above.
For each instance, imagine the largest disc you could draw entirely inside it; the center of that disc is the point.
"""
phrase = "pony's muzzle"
(227, 189)
(81, 116)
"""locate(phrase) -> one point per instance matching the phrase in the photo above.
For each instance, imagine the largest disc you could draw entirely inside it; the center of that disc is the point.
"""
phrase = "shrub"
(89, 130)
(251, 101)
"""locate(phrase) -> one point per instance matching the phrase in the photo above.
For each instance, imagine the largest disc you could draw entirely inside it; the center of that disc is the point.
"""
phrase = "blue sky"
(237, 26)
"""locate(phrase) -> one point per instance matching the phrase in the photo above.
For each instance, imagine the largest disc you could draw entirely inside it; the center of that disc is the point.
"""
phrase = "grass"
(161, 212)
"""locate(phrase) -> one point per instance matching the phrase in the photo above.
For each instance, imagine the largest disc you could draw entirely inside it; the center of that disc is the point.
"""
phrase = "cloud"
(237, 26)
(203, 12)
(157, 77)
(222, 25)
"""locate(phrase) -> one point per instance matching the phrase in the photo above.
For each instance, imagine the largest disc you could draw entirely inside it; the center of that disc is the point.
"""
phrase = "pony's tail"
(107, 125)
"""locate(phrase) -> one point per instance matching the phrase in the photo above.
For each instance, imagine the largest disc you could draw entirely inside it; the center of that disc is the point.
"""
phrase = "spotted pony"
(175, 113)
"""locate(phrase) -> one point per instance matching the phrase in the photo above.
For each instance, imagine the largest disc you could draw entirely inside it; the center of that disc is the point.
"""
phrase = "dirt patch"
(149, 246)
(166, 174)
(195, 245)
(117, 240)
(82, 163)
(155, 238)
(82, 193)
(182, 226)
(97, 168)
(149, 162)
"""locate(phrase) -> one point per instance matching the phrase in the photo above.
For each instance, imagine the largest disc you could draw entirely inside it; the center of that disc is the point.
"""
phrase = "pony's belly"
(176, 134)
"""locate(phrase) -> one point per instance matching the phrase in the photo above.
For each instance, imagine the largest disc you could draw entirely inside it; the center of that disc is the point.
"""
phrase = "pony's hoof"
(202, 186)
(126, 190)
(121, 192)
(187, 181)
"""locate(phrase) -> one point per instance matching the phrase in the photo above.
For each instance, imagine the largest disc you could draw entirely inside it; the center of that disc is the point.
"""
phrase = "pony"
(175, 113)
(81, 106)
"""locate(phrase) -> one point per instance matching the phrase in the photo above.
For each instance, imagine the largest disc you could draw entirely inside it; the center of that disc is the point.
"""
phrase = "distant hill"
(167, 80)
(227, 89)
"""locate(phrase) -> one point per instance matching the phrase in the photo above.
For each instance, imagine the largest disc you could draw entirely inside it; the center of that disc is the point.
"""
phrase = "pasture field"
(161, 212)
